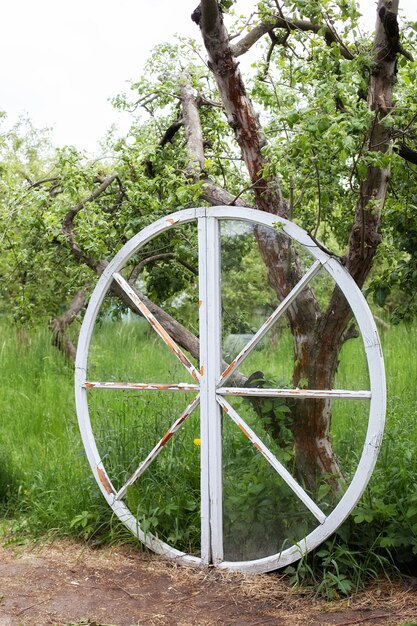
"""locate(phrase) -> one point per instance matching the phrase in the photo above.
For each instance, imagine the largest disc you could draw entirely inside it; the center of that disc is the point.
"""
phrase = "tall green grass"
(46, 484)
(381, 534)
(44, 481)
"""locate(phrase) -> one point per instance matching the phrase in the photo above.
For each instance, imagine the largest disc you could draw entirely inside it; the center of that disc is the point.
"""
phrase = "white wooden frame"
(211, 392)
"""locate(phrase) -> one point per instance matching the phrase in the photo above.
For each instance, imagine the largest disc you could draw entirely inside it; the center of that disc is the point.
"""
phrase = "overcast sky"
(62, 62)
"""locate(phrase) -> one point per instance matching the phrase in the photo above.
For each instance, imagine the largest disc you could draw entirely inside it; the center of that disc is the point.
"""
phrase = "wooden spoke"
(159, 446)
(295, 393)
(141, 306)
(272, 319)
(142, 386)
(272, 460)
(211, 450)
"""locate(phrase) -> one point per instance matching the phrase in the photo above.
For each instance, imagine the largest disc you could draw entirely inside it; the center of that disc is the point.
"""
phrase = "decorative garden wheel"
(214, 397)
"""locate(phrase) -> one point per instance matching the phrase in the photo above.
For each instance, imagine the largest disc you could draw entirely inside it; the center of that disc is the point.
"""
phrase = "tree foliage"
(314, 134)
(311, 102)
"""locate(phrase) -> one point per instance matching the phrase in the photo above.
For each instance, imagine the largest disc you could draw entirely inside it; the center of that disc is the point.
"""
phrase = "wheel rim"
(212, 394)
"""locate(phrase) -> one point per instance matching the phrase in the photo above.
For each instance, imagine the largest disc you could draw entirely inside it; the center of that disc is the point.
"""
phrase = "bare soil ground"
(66, 583)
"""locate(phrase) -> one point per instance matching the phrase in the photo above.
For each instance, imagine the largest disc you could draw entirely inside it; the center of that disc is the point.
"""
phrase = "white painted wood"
(104, 483)
(294, 393)
(210, 414)
(84, 340)
(209, 433)
(141, 386)
(213, 341)
(272, 460)
(204, 396)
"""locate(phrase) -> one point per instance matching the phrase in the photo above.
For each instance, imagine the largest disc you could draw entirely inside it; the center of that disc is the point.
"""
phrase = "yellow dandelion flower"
(197, 442)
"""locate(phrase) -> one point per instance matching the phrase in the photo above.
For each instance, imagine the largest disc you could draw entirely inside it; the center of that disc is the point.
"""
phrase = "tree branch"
(365, 237)
(406, 153)
(42, 181)
(392, 34)
(211, 192)
(68, 224)
(193, 131)
(59, 326)
(165, 256)
(210, 15)
(171, 132)
(288, 24)
(69, 218)
(183, 336)
(275, 249)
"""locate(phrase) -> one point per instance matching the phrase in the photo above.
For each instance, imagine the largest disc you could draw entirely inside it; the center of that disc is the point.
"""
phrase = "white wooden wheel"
(213, 396)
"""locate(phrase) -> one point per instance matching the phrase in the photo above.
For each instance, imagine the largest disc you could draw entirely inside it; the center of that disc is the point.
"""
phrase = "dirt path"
(65, 583)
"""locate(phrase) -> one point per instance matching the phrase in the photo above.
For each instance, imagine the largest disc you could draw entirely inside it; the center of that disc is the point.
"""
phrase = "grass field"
(47, 487)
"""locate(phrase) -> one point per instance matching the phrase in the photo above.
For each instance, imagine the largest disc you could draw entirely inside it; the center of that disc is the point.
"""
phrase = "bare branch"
(288, 24)
(242, 117)
(203, 101)
(392, 34)
(211, 192)
(42, 181)
(365, 236)
(242, 191)
(193, 130)
(407, 153)
(148, 99)
(171, 132)
(248, 21)
(274, 41)
(218, 196)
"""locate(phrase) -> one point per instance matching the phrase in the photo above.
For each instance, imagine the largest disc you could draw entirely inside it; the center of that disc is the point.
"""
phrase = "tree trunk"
(318, 335)
(60, 325)
(320, 352)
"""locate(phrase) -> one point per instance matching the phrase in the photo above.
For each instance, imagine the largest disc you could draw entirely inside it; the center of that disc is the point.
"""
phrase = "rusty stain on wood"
(105, 481)
(227, 370)
(243, 429)
(142, 386)
(166, 438)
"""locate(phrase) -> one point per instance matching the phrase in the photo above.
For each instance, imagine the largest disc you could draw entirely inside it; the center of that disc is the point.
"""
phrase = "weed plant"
(46, 485)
